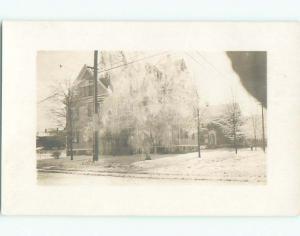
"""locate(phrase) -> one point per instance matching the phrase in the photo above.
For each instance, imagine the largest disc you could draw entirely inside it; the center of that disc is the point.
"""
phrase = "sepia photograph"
(151, 119)
(147, 117)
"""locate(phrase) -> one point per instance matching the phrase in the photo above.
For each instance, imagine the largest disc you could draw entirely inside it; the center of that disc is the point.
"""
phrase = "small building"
(51, 138)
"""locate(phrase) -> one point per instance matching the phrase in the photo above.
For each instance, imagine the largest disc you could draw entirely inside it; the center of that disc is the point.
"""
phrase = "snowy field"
(215, 166)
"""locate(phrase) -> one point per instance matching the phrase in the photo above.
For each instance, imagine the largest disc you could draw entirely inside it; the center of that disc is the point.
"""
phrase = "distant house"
(51, 138)
(215, 135)
(184, 137)
(49, 132)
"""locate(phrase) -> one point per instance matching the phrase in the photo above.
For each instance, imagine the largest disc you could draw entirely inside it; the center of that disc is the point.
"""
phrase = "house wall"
(83, 111)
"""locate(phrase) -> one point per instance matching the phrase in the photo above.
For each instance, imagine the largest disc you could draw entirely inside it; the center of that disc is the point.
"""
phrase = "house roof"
(85, 77)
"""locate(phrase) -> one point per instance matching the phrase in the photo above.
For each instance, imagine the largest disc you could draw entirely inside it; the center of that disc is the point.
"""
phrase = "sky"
(216, 81)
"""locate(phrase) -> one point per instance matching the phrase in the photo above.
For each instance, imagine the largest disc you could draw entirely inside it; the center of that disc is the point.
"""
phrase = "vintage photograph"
(148, 117)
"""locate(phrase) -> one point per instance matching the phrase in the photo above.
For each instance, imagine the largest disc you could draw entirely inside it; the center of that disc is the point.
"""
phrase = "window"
(90, 88)
(82, 91)
(90, 109)
(86, 91)
(76, 136)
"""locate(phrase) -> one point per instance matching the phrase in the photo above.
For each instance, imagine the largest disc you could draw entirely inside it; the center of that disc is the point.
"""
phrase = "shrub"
(51, 142)
(148, 157)
(56, 154)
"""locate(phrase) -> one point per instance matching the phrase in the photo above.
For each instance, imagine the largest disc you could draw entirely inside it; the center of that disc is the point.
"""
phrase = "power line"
(47, 98)
(194, 59)
(197, 94)
(198, 62)
(118, 62)
(112, 68)
(207, 62)
(211, 65)
(132, 62)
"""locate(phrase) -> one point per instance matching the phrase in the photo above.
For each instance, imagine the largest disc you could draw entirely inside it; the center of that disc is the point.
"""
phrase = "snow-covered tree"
(255, 123)
(64, 102)
(232, 122)
(149, 100)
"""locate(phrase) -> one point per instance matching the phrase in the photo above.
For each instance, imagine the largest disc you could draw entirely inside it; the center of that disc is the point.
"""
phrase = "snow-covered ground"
(220, 165)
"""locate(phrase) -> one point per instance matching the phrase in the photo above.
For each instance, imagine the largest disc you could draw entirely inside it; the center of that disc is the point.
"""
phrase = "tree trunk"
(70, 132)
(71, 144)
(198, 133)
(234, 142)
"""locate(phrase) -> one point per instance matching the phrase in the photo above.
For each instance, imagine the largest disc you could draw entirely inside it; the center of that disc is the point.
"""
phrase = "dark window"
(76, 137)
(90, 88)
(86, 91)
(90, 109)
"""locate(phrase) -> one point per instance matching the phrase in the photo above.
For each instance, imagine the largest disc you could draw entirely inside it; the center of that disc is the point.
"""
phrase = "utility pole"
(263, 127)
(95, 116)
(70, 122)
(198, 126)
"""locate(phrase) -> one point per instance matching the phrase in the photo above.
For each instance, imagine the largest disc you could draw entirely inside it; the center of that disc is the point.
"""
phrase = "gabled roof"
(85, 77)
(84, 74)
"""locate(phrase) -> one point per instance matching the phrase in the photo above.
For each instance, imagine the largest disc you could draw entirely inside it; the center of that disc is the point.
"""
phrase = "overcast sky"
(212, 72)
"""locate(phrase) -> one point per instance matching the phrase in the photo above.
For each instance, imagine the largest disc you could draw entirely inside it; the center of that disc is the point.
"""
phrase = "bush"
(148, 157)
(56, 154)
(51, 142)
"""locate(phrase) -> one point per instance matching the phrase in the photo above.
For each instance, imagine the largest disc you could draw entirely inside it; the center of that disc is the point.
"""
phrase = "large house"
(180, 137)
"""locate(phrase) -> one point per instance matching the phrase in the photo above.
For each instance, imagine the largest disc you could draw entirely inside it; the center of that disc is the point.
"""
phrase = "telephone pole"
(198, 126)
(95, 116)
(70, 123)
(263, 127)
